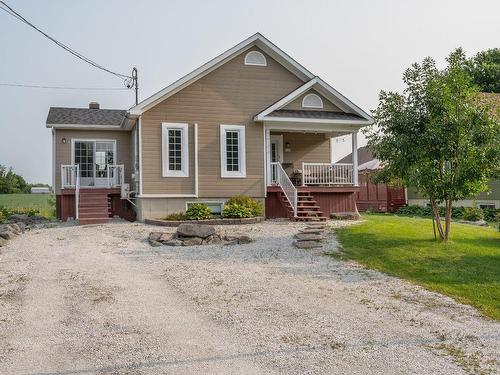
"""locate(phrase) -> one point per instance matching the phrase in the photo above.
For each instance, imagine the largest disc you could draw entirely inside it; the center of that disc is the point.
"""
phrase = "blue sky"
(359, 47)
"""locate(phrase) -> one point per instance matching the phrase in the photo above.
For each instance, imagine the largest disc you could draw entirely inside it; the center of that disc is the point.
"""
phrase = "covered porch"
(303, 182)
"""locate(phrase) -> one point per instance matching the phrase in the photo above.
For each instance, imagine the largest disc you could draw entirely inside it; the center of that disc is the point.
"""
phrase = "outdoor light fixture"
(63, 141)
(288, 147)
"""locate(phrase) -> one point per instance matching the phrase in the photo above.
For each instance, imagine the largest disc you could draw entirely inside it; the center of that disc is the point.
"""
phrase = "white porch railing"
(115, 175)
(70, 178)
(280, 178)
(71, 173)
(327, 174)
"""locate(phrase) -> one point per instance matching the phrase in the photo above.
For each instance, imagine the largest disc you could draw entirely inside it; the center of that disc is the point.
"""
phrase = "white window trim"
(312, 106)
(255, 64)
(224, 173)
(166, 172)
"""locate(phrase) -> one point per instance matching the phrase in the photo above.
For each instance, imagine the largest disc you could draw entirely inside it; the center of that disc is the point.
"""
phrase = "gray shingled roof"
(85, 116)
(324, 115)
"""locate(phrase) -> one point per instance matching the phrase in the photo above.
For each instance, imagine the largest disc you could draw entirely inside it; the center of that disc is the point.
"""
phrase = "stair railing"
(77, 192)
(280, 178)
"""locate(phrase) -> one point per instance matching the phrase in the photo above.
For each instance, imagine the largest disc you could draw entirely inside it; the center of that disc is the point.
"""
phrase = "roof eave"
(85, 127)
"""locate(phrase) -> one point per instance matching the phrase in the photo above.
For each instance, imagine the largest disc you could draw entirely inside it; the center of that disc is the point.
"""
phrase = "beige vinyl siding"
(230, 95)
(296, 104)
(305, 147)
(63, 150)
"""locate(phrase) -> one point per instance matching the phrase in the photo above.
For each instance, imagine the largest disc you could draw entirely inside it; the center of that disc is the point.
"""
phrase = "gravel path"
(100, 300)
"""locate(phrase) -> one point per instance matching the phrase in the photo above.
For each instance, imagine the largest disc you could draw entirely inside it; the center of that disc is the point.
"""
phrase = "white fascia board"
(257, 39)
(285, 100)
(323, 88)
(313, 128)
(79, 127)
(269, 119)
(345, 101)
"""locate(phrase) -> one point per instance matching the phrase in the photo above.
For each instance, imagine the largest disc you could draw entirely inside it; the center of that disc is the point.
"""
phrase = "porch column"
(355, 158)
(267, 145)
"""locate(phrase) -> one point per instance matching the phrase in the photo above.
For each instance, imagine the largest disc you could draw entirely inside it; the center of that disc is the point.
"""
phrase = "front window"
(175, 150)
(233, 162)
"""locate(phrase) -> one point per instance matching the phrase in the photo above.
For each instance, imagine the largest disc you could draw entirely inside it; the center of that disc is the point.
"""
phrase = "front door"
(94, 157)
(276, 152)
(104, 156)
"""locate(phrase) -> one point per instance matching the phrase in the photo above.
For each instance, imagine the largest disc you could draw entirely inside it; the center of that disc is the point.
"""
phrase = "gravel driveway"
(100, 300)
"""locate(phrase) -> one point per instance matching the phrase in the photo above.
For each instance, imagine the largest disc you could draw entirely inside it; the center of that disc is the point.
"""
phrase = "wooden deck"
(329, 199)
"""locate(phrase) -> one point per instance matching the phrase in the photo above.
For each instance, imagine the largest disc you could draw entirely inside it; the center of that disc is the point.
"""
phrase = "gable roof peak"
(256, 39)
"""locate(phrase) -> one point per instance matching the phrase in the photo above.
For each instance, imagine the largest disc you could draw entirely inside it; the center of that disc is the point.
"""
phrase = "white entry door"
(104, 156)
(276, 148)
(94, 157)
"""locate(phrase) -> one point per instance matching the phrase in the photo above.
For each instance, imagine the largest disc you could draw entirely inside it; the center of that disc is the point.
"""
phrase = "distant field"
(36, 201)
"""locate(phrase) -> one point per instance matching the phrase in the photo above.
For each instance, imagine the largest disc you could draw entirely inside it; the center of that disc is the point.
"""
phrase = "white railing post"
(303, 175)
(355, 158)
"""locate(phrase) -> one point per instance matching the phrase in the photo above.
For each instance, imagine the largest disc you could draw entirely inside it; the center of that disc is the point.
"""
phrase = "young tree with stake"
(437, 136)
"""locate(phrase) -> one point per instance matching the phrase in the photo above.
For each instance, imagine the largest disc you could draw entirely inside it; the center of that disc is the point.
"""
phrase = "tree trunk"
(435, 209)
(447, 220)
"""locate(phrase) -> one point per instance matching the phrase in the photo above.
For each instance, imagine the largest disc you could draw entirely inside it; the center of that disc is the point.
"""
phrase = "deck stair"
(307, 208)
(94, 206)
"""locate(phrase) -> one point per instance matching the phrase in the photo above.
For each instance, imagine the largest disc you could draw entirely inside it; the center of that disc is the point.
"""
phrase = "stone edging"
(172, 223)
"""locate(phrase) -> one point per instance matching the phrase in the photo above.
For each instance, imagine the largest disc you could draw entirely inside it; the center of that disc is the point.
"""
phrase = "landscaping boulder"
(173, 242)
(195, 230)
(192, 241)
(154, 236)
(15, 228)
(244, 240)
(155, 243)
(7, 234)
(3, 242)
(212, 240)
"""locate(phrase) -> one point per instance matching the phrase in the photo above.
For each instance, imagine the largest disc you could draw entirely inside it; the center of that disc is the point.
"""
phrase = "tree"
(11, 182)
(485, 70)
(437, 135)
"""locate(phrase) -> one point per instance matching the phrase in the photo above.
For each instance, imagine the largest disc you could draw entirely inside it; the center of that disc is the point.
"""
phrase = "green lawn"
(36, 201)
(466, 268)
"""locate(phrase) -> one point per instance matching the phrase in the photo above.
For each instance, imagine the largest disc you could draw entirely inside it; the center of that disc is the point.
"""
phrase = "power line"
(128, 80)
(62, 87)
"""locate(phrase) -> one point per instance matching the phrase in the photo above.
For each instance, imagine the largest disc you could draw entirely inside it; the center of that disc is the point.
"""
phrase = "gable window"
(312, 101)
(232, 151)
(255, 58)
(175, 150)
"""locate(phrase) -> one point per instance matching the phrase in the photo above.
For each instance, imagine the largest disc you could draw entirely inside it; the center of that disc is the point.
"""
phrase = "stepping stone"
(315, 226)
(312, 231)
(309, 237)
(307, 244)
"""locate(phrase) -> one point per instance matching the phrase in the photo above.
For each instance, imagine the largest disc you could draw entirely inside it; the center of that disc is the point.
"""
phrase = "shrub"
(198, 211)
(177, 216)
(236, 210)
(7, 212)
(255, 207)
(473, 214)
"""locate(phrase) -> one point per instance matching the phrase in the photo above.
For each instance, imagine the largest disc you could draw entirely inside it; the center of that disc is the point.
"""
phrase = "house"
(40, 190)
(371, 196)
(251, 121)
(383, 198)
